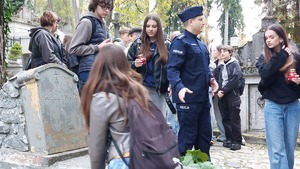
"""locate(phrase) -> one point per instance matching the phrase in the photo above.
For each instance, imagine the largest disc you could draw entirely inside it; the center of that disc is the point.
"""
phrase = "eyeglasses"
(104, 7)
(57, 20)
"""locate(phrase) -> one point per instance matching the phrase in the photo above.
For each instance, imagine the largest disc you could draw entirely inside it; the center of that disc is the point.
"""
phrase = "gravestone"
(51, 104)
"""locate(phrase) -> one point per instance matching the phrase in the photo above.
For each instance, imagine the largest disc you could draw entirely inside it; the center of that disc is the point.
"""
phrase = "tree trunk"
(1, 45)
(76, 11)
(51, 5)
(206, 41)
(226, 27)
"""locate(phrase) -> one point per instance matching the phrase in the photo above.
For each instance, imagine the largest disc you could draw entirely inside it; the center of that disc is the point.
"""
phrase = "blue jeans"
(118, 163)
(282, 125)
(83, 77)
(172, 120)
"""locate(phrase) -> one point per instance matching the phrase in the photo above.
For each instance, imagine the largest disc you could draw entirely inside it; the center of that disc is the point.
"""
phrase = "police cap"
(191, 12)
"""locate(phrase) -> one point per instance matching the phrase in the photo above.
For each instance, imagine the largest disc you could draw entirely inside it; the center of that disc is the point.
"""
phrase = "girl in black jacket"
(282, 107)
(152, 47)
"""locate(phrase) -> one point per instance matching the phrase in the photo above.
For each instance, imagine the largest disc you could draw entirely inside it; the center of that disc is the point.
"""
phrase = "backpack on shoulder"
(153, 142)
(74, 60)
(241, 84)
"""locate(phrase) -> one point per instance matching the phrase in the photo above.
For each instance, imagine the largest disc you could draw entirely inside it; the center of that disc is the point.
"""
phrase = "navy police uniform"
(188, 67)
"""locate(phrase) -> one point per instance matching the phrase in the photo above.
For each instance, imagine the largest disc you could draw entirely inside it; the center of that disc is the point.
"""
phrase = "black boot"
(227, 143)
(235, 146)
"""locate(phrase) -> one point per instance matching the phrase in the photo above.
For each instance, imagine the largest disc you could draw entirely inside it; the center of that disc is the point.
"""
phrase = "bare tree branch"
(137, 7)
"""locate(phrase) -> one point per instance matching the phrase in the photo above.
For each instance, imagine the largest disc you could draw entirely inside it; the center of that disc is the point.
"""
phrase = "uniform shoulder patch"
(180, 36)
(177, 51)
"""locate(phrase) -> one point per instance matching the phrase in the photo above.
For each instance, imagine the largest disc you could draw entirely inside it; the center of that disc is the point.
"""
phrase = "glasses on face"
(224, 51)
(57, 20)
(104, 7)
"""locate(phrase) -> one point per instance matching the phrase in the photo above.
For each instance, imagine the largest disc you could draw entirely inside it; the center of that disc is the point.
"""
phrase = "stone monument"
(49, 121)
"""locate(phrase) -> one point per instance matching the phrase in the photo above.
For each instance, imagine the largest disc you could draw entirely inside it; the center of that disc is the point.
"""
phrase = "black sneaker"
(227, 143)
(235, 146)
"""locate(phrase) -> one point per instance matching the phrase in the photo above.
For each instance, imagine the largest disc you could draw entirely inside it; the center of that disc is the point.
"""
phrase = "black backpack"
(153, 143)
(241, 84)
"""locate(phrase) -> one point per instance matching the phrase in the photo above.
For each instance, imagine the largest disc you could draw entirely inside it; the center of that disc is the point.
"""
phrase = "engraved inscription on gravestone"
(55, 122)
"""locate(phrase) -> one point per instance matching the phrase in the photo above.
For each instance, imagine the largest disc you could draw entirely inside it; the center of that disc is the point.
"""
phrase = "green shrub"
(15, 51)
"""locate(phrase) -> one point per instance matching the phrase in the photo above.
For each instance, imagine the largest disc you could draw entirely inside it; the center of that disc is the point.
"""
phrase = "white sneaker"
(243, 141)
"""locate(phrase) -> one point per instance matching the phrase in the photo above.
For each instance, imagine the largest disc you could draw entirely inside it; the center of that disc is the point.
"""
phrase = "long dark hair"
(162, 48)
(280, 31)
(111, 73)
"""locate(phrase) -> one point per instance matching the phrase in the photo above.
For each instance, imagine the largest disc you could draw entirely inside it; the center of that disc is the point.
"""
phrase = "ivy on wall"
(8, 11)
(9, 7)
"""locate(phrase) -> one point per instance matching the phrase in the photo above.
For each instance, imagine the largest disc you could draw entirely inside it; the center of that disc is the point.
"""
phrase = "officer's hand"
(220, 94)
(182, 92)
(105, 42)
(214, 85)
(138, 63)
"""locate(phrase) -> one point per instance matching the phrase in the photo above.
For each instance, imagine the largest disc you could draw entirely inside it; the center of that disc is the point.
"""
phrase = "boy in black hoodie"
(229, 98)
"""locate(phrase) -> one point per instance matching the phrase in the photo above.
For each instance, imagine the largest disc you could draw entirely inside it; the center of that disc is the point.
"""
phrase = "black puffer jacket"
(160, 71)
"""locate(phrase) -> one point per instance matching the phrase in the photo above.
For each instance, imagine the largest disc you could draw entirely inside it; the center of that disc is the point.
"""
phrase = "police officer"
(190, 78)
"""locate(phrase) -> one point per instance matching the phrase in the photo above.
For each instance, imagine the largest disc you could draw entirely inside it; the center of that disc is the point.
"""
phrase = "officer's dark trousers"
(230, 110)
(195, 127)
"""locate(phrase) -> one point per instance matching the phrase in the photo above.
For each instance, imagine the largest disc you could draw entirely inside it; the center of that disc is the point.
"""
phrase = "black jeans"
(229, 106)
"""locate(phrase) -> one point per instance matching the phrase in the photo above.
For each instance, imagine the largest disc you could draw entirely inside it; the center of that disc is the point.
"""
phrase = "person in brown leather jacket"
(111, 84)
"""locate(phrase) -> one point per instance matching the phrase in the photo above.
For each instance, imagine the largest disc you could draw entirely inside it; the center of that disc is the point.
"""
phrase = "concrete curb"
(10, 158)
(255, 137)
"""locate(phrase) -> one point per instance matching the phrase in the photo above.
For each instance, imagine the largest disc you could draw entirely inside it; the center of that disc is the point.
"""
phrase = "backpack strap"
(118, 149)
(93, 22)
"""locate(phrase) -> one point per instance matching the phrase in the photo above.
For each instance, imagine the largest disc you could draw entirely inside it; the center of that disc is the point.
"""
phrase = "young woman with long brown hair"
(104, 99)
(281, 95)
(152, 47)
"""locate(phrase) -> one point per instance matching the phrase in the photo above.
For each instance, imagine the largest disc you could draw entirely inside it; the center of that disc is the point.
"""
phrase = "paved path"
(252, 156)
